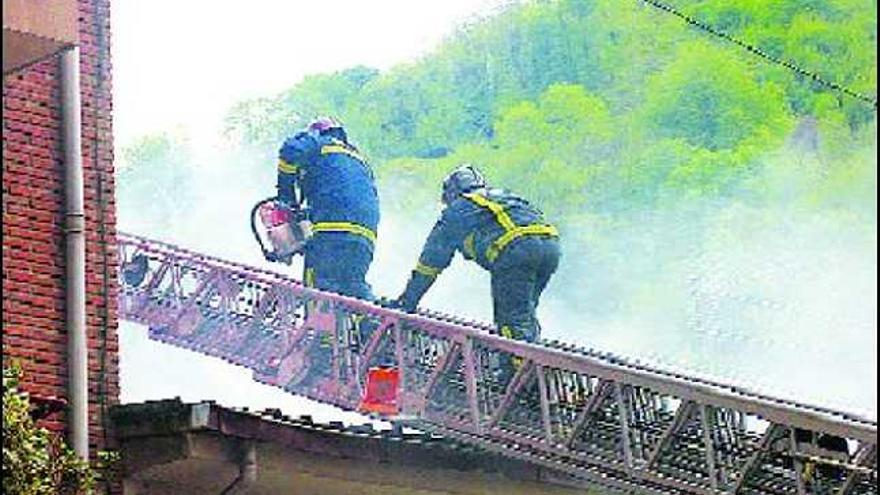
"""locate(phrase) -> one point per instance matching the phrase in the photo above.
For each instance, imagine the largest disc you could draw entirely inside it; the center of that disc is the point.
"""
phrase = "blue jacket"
(334, 181)
(479, 224)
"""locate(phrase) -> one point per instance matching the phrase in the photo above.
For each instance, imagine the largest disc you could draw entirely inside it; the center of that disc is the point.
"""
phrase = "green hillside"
(644, 139)
(607, 106)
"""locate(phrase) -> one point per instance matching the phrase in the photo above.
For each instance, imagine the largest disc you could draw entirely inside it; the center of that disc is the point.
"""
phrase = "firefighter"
(502, 233)
(319, 169)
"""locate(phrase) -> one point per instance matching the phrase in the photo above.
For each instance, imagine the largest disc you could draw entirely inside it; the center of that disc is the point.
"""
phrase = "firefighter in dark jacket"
(502, 233)
(320, 168)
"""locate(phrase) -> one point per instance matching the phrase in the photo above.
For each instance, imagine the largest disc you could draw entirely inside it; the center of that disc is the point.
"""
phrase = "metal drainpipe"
(74, 233)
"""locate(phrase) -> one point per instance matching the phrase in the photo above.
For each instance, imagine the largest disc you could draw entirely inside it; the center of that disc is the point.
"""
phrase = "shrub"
(35, 460)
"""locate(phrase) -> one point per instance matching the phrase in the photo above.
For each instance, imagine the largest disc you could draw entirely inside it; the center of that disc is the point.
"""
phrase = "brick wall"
(33, 223)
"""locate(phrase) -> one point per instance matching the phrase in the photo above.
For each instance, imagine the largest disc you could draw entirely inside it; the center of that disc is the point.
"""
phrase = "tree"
(35, 461)
(594, 105)
(710, 98)
(155, 179)
(267, 121)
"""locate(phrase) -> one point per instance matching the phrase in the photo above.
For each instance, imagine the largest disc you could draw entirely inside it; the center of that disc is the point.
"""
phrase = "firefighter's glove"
(387, 302)
(416, 287)
(397, 304)
(405, 303)
(289, 205)
(400, 303)
(300, 214)
(274, 258)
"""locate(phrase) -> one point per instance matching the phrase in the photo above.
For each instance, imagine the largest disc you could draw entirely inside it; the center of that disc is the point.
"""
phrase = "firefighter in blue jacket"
(322, 169)
(502, 233)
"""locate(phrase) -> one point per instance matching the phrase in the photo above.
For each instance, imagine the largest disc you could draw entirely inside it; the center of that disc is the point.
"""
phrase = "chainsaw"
(283, 231)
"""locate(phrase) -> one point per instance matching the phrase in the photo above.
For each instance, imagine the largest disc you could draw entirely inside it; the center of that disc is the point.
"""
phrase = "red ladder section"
(593, 416)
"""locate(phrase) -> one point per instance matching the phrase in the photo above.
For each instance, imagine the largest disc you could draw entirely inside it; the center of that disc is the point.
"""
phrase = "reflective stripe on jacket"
(480, 224)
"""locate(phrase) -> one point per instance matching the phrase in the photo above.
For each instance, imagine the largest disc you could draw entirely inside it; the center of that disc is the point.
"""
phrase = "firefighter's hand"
(405, 304)
(288, 204)
(274, 258)
(300, 214)
(387, 302)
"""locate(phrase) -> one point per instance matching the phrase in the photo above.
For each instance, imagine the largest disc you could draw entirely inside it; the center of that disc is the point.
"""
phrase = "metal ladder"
(595, 417)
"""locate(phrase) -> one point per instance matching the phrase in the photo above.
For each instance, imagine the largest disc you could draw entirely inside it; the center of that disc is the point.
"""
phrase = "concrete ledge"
(204, 448)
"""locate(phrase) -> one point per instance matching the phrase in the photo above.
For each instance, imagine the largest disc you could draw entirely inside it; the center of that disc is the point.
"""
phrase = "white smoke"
(787, 304)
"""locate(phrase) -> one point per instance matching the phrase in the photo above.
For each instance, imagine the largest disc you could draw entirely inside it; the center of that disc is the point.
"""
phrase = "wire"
(761, 53)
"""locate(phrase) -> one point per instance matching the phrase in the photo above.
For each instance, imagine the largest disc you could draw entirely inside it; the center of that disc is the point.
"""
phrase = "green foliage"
(266, 121)
(36, 461)
(154, 178)
(643, 139)
(596, 108)
(834, 38)
(550, 149)
(710, 99)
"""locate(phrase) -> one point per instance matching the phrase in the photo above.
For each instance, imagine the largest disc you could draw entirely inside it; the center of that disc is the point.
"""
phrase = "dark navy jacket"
(479, 224)
(335, 181)
(470, 227)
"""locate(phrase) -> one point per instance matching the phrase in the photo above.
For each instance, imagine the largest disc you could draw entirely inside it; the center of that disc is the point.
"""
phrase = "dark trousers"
(519, 276)
(337, 262)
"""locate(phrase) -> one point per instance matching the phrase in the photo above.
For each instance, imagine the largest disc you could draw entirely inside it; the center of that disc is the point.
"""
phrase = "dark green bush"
(35, 460)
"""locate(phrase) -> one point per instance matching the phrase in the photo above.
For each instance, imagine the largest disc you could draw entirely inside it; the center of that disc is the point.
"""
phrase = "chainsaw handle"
(269, 255)
(298, 214)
